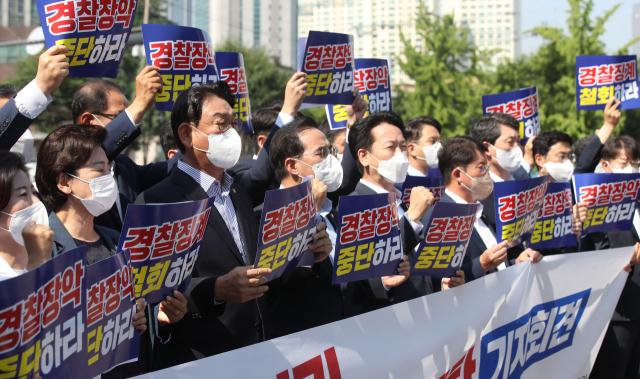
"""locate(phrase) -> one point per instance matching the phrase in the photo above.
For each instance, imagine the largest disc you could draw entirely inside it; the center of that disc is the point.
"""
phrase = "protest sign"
(328, 63)
(373, 81)
(287, 225)
(96, 33)
(231, 70)
(369, 244)
(445, 241)
(517, 204)
(185, 58)
(543, 320)
(600, 78)
(433, 184)
(434, 172)
(521, 104)
(164, 240)
(555, 220)
(611, 200)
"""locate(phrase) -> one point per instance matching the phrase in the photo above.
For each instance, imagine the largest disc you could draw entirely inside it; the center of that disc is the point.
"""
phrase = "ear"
(184, 132)
(290, 166)
(363, 157)
(261, 140)
(540, 160)
(62, 180)
(171, 153)
(455, 175)
(86, 118)
(411, 149)
(605, 164)
(488, 147)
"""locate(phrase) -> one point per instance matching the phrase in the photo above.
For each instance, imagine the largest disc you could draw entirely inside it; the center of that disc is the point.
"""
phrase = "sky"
(554, 13)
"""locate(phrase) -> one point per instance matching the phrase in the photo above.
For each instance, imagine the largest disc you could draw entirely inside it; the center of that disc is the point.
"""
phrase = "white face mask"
(599, 169)
(329, 172)
(626, 170)
(340, 157)
(509, 160)
(431, 154)
(481, 187)
(24, 146)
(560, 172)
(35, 212)
(224, 148)
(393, 170)
(103, 194)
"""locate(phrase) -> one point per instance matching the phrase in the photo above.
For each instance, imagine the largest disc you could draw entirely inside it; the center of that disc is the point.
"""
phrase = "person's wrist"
(43, 86)
(136, 111)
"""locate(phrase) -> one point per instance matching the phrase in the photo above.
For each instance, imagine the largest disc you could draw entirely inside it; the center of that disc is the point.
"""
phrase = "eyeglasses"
(483, 170)
(223, 124)
(634, 164)
(564, 157)
(434, 140)
(323, 152)
(109, 116)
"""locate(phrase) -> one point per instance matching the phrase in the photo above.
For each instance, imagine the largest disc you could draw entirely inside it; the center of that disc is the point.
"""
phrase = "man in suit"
(225, 300)
(464, 163)
(378, 145)
(101, 102)
(17, 114)
(423, 144)
(589, 159)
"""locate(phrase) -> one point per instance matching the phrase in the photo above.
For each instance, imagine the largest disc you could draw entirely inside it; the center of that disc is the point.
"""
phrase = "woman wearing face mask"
(618, 357)
(23, 220)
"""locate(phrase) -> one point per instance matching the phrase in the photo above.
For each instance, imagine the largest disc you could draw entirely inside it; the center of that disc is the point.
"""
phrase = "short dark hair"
(262, 120)
(286, 143)
(188, 106)
(166, 139)
(579, 146)
(92, 97)
(7, 91)
(360, 133)
(487, 128)
(460, 151)
(65, 150)
(413, 128)
(613, 146)
(545, 140)
(275, 105)
(10, 164)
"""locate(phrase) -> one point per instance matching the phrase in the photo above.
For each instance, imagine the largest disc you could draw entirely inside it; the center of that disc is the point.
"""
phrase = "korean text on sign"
(164, 241)
(287, 225)
(442, 250)
(95, 32)
(601, 78)
(555, 220)
(369, 244)
(517, 207)
(328, 63)
(433, 184)
(185, 58)
(372, 79)
(521, 104)
(231, 69)
(611, 200)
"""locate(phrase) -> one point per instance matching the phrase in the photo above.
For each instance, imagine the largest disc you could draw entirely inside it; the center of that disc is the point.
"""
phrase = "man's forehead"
(560, 147)
(213, 105)
(386, 132)
(507, 131)
(117, 101)
(312, 138)
(429, 131)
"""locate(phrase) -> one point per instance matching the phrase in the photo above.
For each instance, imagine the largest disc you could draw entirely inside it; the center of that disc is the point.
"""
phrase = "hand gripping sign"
(185, 58)
(555, 220)
(517, 204)
(433, 184)
(369, 243)
(521, 104)
(328, 63)
(442, 249)
(231, 70)
(95, 32)
(611, 200)
(287, 225)
(599, 78)
(164, 240)
(372, 79)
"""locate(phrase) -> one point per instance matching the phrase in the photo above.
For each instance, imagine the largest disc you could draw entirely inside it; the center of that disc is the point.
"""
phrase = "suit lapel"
(62, 240)
(243, 212)
(191, 190)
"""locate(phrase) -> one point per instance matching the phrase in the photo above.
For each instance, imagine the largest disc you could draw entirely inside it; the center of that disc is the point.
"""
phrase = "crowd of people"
(83, 185)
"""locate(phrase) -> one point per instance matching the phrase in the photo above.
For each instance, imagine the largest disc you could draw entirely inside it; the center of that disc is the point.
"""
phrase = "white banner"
(545, 320)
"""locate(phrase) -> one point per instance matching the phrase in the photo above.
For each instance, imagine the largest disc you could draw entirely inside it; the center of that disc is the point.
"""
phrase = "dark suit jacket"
(590, 157)
(521, 173)
(628, 308)
(242, 166)
(368, 295)
(210, 329)
(120, 133)
(13, 124)
(304, 297)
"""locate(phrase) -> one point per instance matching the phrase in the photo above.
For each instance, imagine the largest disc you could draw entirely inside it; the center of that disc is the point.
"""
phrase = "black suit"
(369, 295)
(13, 124)
(520, 173)
(210, 329)
(590, 157)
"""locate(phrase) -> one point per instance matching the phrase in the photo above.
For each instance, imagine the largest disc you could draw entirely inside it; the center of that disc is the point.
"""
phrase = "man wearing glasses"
(423, 144)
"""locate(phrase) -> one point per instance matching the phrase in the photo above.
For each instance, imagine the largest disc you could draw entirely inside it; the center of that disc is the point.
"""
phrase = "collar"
(459, 200)
(379, 189)
(326, 208)
(412, 171)
(205, 180)
(254, 157)
(497, 179)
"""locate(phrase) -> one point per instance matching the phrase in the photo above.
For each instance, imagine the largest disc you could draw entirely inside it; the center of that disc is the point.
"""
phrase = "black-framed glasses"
(223, 124)
(107, 115)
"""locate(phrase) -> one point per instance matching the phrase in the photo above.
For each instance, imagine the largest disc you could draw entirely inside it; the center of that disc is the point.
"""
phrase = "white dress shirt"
(31, 101)
(7, 272)
(497, 179)
(417, 226)
(483, 230)
(412, 171)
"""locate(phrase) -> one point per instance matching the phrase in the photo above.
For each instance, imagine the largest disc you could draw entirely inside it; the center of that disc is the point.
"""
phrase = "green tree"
(448, 74)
